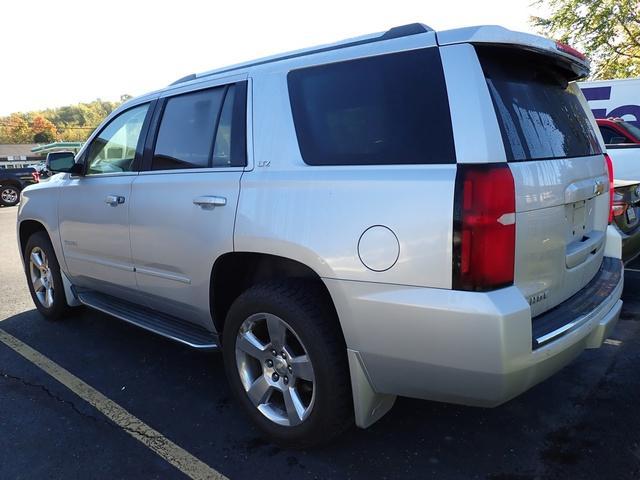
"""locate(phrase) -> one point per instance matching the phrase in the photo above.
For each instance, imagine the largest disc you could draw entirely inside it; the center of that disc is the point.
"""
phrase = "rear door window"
(387, 109)
(222, 145)
(539, 112)
(202, 129)
(185, 138)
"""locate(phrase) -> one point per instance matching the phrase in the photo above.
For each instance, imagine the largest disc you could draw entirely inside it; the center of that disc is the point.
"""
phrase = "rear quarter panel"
(317, 214)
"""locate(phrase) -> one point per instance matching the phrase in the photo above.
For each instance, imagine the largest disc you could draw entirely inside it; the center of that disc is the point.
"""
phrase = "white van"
(619, 98)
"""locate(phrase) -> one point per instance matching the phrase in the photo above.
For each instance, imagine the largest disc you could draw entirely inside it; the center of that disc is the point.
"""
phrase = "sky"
(61, 52)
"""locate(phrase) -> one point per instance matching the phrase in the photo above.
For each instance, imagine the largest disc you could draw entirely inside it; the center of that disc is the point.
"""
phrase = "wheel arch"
(27, 228)
(235, 272)
(12, 183)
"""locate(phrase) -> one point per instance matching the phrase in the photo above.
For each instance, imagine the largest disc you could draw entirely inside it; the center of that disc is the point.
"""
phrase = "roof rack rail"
(186, 78)
(395, 32)
(405, 31)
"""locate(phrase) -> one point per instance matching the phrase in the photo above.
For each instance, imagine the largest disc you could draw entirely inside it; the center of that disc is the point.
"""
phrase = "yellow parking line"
(172, 453)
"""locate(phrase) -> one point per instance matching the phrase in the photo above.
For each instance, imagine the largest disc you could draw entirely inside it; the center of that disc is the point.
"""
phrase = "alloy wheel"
(275, 369)
(9, 195)
(41, 277)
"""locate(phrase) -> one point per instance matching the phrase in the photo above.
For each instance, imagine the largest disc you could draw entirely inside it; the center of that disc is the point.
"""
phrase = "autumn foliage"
(69, 123)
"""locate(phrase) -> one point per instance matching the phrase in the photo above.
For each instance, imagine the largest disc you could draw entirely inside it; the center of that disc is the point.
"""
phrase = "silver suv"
(412, 213)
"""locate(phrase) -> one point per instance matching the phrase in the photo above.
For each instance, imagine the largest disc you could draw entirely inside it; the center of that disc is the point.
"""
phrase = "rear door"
(183, 204)
(559, 172)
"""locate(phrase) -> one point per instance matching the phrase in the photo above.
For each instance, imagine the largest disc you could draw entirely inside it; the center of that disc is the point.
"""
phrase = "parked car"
(408, 213)
(626, 217)
(622, 141)
(13, 181)
(617, 131)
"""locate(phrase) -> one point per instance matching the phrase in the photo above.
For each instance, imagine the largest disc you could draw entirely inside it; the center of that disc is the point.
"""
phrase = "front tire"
(9, 195)
(44, 277)
(286, 362)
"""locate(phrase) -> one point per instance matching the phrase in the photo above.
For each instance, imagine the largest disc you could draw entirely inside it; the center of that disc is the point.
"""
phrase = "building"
(19, 155)
(24, 155)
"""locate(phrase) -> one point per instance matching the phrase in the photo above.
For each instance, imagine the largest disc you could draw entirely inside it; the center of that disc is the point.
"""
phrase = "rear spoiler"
(496, 35)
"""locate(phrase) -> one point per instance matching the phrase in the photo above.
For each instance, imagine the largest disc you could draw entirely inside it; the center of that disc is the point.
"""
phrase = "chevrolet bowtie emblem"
(598, 187)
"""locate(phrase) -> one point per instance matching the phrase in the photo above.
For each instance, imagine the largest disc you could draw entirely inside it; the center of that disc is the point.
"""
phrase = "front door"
(183, 205)
(94, 208)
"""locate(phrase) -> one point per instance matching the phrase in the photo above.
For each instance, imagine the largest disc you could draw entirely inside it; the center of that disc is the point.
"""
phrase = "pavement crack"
(50, 394)
(133, 430)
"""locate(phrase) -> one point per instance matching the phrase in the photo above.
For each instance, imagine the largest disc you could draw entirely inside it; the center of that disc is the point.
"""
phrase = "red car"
(616, 131)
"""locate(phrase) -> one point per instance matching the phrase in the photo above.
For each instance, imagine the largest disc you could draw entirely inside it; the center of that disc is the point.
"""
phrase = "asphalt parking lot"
(582, 423)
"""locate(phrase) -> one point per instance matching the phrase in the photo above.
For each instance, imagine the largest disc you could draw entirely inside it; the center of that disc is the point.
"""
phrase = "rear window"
(388, 109)
(539, 112)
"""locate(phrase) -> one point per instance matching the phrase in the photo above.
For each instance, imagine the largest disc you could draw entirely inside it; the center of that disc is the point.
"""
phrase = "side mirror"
(616, 140)
(63, 162)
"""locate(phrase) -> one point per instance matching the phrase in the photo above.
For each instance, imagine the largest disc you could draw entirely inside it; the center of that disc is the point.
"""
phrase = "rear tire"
(9, 195)
(294, 384)
(44, 277)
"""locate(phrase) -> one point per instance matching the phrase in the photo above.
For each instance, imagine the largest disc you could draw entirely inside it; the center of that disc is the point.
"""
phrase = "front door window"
(114, 149)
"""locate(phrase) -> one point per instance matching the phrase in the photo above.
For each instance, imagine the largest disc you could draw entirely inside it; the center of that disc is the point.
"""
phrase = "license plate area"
(582, 242)
(631, 215)
(578, 220)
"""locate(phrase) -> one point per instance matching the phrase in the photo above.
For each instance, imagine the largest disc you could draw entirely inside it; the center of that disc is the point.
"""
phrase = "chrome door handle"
(114, 200)
(208, 202)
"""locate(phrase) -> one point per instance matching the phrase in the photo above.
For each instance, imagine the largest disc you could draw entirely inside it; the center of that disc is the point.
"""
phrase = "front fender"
(39, 203)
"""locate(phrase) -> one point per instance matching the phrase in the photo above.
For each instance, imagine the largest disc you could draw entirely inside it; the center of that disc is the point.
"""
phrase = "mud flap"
(369, 406)
(70, 296)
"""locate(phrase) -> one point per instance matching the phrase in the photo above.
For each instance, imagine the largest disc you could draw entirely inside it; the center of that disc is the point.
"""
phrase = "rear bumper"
(578, 309)
(461, 347)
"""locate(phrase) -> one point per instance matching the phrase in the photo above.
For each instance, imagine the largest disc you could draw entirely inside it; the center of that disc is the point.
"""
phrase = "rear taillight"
(36, 176)
(619, 209)
(484, 233)
(568, 49)
(609, 163)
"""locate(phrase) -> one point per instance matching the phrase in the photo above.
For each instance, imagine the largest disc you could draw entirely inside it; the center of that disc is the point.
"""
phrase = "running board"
(157, 322)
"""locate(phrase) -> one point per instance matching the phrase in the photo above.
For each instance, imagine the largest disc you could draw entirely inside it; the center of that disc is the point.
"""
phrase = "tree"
(43, 130)
(607, 31)
(70, 123)
(15, 129)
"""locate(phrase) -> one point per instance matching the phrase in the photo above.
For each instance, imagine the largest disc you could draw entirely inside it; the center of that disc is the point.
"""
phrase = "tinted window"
(389, 109)
(539, 112)
(609, 133)
(114, 149)
(222, 147)
(187, 129)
